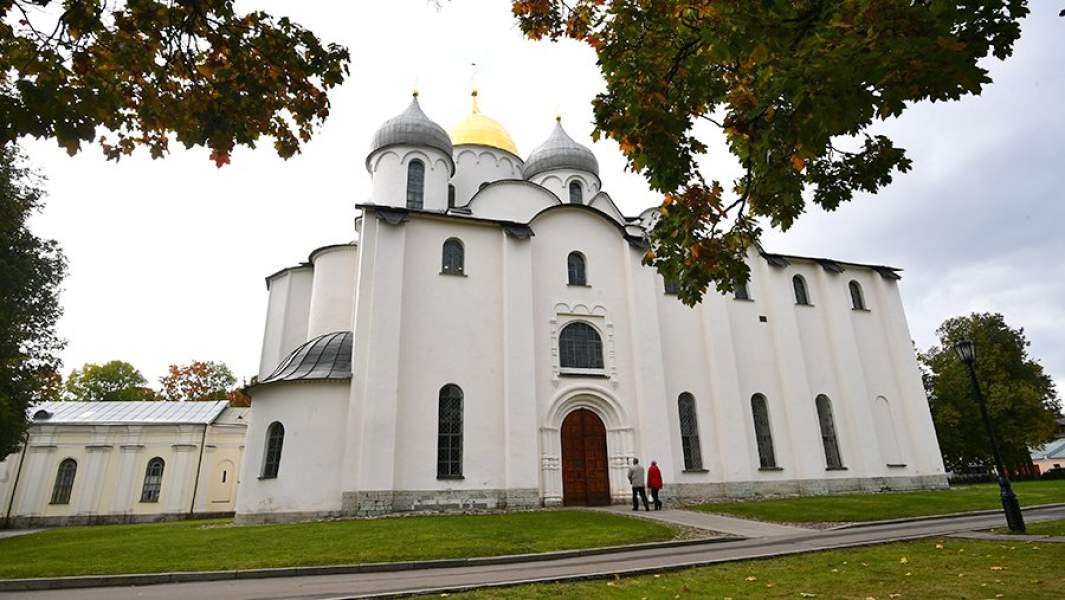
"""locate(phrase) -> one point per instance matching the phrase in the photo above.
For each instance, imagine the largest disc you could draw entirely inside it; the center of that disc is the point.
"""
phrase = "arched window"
(449, 433)
(857, 298)
(575, 267)
(415, 184)
(762, 433)
(576, 195)
(801, 296)
(828, 433)
(153, 480)
(580, 347)
(454, 261)
(886, 434)
(742, 292)
(671, 286)
(689, 432)
(450, 196)
(64, 481)
(275, 438)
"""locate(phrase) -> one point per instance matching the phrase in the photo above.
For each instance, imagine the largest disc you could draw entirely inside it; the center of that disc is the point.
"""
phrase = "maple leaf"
(220, 158)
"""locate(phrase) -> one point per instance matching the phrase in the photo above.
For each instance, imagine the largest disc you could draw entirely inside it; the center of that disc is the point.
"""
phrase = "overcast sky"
(167, 257)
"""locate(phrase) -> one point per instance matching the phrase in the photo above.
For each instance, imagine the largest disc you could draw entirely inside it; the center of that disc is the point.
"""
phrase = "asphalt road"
(453, 579)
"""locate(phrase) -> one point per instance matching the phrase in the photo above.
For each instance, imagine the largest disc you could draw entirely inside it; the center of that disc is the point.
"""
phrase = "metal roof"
(412, 128)
(560, 152)
(1055, 449)
(100, 413)
(325, 357)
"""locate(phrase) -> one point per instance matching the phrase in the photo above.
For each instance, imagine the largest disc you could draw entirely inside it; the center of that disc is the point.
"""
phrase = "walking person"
(654, 482)
(636, 478)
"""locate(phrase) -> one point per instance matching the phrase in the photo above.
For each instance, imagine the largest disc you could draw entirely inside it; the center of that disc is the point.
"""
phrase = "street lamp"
(966, 350)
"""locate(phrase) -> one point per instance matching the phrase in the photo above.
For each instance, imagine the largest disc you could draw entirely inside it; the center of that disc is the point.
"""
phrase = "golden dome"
(484, 131)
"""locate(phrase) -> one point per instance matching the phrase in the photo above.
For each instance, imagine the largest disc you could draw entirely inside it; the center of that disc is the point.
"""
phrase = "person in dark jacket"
(637, 479)
(654, 483)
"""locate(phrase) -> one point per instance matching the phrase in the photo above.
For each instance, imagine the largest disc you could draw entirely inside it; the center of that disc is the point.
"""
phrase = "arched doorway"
(584, 463)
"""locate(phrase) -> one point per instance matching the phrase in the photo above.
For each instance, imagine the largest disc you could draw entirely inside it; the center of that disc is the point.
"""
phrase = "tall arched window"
(275, 439)
(449, 433)
(763, 435)
(689, 432)
(828, 433)
(575, 268)
(64, 481)
(415, 184)
(857, 298)
(450, 196)
(580, 347)
(576, 195)
(742, 292)
(671, 286)
(454, 260)
(153, 480)
(801, 295)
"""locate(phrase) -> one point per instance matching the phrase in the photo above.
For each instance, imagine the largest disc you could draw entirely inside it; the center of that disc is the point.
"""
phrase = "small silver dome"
(560, 152)
(325, 357)
(411, 128)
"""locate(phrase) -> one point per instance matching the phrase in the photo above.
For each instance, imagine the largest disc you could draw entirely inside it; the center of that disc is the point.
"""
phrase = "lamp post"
(966, 350)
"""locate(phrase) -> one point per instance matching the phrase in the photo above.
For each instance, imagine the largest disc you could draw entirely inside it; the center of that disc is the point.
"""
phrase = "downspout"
(14, 485)
(199, 465)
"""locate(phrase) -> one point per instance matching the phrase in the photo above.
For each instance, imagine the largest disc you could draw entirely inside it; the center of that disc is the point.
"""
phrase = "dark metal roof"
(560, 152)
(412, 128)
(325, 357)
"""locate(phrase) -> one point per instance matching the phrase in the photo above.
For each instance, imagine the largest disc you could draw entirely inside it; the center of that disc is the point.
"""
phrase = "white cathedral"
(492, 340)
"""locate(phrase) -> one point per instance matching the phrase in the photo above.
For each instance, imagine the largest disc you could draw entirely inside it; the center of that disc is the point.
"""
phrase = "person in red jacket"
(654, 481)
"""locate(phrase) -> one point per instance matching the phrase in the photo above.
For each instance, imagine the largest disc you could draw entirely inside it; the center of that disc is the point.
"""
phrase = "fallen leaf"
(998, 568)
(807, 595)
(751, 578)
(904, 560)
(939, 546)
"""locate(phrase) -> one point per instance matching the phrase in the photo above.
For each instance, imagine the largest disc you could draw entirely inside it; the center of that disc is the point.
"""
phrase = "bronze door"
(585, 481)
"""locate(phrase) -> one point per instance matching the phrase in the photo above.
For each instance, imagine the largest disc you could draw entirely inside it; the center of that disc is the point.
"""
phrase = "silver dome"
(411, 128)
(325, 357)
(560, 152)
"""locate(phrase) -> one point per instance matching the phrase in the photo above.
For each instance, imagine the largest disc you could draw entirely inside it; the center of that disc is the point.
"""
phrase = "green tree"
(149, 70)
(1021, 398)
(114, 381)
(197, 381)
(31, 270)
(792, 88)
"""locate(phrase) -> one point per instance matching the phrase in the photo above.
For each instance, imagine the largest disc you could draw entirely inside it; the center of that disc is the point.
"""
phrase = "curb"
(974, 513)
(135, 579)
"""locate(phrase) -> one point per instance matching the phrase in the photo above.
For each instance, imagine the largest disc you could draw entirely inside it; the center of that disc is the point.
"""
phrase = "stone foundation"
(385, 501)
(31, 522)
(707, 492)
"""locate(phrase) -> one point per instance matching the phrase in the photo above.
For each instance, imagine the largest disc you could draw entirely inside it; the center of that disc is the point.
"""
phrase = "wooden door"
(584, 464)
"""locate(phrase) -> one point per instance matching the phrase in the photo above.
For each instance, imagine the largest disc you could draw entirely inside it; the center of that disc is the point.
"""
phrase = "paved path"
(709, 522)
(10, 533)
(440, 580)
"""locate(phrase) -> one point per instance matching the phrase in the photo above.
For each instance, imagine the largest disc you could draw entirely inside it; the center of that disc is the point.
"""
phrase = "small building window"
(450, 196)
(275, 439)
(741, 291)
(857, 297)
(580, 347)
(689, 433)
(763, 433)
(575, 267)
(671, 286)
(576, 194)
(828, 433)
(64, 481)
(153, 480)
(224, 476)
(449, 433)
(416, 184)
(454, 258)
(801, 295)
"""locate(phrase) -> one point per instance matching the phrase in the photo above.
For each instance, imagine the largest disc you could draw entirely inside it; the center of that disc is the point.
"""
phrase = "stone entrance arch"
(620, 440)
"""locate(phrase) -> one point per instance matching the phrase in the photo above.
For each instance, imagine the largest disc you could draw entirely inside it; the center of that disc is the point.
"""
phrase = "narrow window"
(224, 476)
(153, 480)
(857, 298)
(742, 293)
(689, 433)
(275, 438)
(671, 286)
(828, 433)
(801, 296)
(576, 196)
(449, 433)
(415, 184)
(64, 481)
(763, 434)
(450, 196)
(454, 261)
(580, 347)
(575, 266)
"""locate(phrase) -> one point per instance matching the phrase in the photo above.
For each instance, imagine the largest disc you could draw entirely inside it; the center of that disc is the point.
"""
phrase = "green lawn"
(924, 570)
(1044, 528)
(887, 505)
(210, 545)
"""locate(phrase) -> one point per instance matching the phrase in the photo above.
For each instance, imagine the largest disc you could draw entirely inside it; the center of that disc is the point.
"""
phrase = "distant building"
(124, 462)
(492, 339)
(1052, 454)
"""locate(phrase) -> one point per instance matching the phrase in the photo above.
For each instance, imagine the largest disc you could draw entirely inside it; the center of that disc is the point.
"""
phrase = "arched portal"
(585, 478)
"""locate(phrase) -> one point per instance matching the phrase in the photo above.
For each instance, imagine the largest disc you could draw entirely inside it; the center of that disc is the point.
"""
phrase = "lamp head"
(966, 350)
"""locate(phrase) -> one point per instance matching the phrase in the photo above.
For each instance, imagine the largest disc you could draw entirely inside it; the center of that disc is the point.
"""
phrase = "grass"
(1044, 528)
(211, 545)
(888, 505)
(940, 569)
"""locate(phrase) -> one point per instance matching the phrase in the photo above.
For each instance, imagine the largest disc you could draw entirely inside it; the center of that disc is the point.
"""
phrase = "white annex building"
(490, 339)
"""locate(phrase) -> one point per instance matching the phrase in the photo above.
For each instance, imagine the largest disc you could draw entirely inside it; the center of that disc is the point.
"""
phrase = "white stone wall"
(287, 312)
(476, 165)
(333, 290)
(388, 168)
